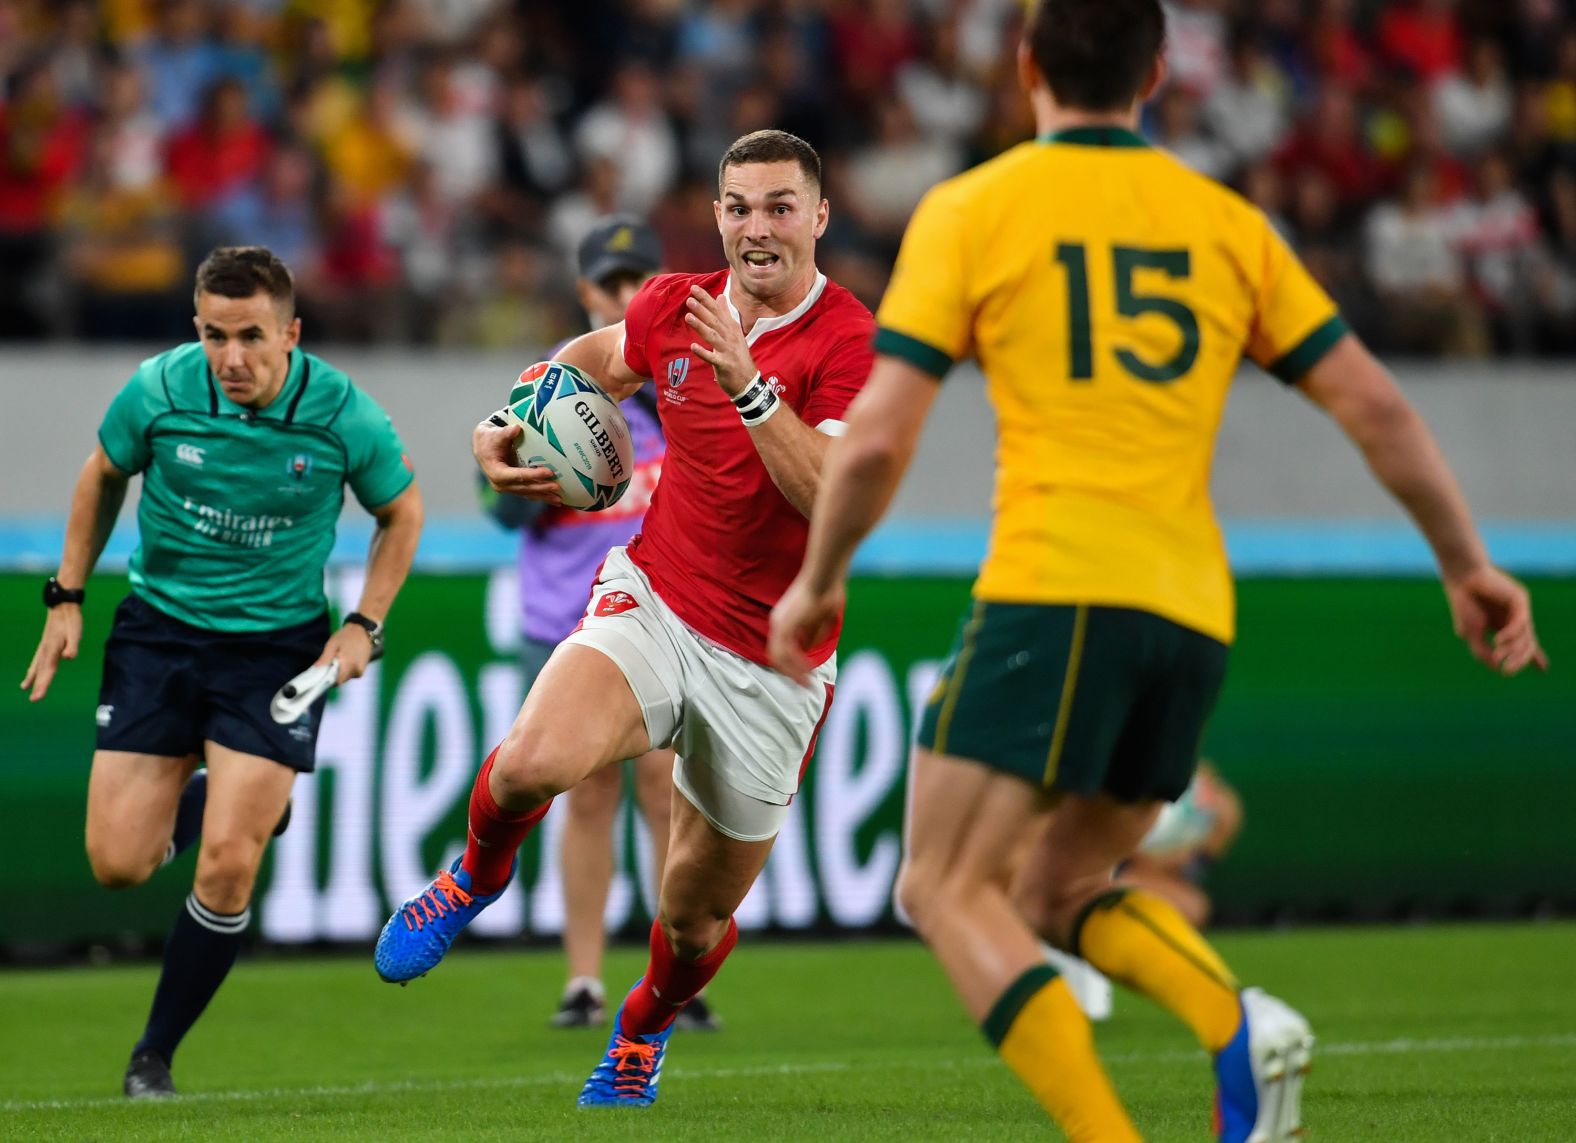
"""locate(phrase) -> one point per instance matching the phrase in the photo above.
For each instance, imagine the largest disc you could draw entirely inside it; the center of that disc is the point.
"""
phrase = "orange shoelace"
(633, 1063)
(444, 896)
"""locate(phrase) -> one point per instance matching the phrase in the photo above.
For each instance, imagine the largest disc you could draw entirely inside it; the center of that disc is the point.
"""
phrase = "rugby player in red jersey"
(754, 367)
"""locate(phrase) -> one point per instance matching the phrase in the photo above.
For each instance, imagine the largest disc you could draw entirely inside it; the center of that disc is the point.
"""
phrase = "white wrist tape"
(757, 402)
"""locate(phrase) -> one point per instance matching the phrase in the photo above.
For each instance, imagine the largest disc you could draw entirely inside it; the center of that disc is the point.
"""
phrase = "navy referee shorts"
(168, 687)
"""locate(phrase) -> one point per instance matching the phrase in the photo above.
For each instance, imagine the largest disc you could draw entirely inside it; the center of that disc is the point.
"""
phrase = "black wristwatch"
(373, 629)
(55, 594)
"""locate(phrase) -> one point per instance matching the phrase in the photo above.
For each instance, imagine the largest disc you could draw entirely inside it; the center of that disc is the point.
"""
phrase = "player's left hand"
(725, 349)
(802, 619)
(352, 646)
(494, 447)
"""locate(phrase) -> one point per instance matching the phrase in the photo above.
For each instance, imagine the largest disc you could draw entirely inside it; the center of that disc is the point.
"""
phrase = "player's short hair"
(242, 271)
(1095, 54)
(771, 146)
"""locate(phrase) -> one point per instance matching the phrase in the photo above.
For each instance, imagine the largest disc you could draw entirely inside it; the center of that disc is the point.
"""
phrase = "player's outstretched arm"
(1491, 610)
(600, 356)
(862, 471)
(95, 505)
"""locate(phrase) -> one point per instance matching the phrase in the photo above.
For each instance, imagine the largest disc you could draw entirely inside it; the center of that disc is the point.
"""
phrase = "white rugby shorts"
(742, 732)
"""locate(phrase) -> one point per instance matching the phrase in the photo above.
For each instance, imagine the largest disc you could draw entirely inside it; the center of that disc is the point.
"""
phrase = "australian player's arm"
(1301, 339)
(922, 328)
(1491, 611)
(862, 473)
(1362, 398)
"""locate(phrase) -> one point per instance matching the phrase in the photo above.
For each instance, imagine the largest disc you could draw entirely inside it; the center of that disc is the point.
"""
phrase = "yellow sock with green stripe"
(1044, 1037)
(1141, 941)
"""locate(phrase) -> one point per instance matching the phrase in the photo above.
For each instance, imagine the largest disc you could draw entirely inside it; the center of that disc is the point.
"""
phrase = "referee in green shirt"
(244, 444)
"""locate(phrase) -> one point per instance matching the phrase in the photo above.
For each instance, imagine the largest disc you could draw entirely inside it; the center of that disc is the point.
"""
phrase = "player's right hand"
(494, 447)
(62, 638)
(1493, 615)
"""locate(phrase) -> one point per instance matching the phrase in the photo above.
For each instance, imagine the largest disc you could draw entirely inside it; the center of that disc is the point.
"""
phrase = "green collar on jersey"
(1096, 137)
(283, 406)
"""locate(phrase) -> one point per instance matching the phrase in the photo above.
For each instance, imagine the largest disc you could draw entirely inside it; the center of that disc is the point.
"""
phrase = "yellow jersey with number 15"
(1108, 294)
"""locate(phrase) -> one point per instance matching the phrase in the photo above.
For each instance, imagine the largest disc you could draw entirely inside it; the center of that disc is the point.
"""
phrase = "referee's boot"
(422, 929)
(148, 1077)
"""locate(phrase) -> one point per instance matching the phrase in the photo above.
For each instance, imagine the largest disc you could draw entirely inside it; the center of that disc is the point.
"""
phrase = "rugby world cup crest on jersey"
(678, 371)
(299, 467)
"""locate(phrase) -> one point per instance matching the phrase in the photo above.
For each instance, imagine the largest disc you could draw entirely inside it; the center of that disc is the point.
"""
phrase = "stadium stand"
(426, 165)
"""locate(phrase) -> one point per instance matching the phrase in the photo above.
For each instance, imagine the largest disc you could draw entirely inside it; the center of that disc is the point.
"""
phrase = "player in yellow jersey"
(1108, 295)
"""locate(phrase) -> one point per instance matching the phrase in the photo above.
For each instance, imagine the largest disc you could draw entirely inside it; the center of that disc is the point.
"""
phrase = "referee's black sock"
(188, 815)
(197, 957)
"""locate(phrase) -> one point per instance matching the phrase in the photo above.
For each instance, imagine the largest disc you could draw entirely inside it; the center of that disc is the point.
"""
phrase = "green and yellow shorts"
(1077, 698)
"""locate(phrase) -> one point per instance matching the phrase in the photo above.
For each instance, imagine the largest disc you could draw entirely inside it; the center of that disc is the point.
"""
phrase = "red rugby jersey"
(721, 543)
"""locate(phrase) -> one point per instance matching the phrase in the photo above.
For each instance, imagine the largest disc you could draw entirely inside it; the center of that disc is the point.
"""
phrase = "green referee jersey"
(239, 505)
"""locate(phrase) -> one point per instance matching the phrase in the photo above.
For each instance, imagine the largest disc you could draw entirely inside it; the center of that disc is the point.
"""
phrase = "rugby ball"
(574, 428)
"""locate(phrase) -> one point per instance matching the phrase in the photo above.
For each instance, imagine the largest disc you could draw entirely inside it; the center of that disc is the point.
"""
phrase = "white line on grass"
(1380, 1047)
(394, 1087)
(565, 1079)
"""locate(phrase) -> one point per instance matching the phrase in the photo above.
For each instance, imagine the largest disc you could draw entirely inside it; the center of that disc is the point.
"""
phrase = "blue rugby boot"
(1259, 1074)
(422, 929)
(629, 1071)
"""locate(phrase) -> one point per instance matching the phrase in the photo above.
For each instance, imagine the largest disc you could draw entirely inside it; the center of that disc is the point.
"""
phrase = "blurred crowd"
(427, 166)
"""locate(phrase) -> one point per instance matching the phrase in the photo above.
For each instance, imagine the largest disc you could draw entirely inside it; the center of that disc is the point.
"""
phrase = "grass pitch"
(1434, 1033)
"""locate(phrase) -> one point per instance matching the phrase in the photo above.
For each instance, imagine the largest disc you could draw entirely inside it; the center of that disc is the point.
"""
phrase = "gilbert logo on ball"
(572, 427)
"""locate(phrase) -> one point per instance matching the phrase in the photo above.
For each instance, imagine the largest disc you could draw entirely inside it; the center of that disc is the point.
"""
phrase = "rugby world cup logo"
(300, 465)
(678, 370)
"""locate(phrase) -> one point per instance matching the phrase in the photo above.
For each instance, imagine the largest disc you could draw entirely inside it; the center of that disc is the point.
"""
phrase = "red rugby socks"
(671, 983)
(495, 835)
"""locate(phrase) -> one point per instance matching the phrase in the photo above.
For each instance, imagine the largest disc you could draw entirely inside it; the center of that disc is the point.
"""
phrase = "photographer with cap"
(560, 551)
